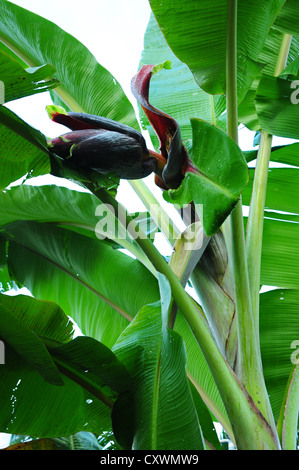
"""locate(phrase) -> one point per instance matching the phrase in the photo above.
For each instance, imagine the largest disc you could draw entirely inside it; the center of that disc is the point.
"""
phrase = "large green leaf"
(217, 175)
(247, 112)
(196, 32)
(75, 210)
(22, 339)
(92, 365)
(282, 190)
(288, 18)
(86, 85)
(280, 255)
(100, 287)
(32, 406)
(165, 416)
(48, 266)
(276, 102)
(19, 82)
(34, 329)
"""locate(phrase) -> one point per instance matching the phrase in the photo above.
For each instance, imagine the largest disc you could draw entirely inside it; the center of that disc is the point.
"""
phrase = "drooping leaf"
(75, 210)
(31, 405)
(29, 35)
(275, 103)
(19, 82)
(215, 177)
(100, 287)
(21, 338)
(165, 416)
(23, 150)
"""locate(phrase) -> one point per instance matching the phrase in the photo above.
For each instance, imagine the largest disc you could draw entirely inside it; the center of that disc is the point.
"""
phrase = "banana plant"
(168, 346)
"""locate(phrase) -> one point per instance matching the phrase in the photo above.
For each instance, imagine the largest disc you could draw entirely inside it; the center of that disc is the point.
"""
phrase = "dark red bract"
(100, 144)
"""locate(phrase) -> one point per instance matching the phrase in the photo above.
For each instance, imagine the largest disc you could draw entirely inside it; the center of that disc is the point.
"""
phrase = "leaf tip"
(54, 110)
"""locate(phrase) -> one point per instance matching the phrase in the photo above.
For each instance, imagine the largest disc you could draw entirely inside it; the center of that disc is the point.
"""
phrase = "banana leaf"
(39, 41)
(31, 405)
(196, 32)
(102, 298)
(165, 416)
(20, 82)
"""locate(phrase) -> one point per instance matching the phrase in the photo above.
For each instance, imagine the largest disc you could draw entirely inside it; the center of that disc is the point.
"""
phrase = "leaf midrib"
(220, 188)
(105, 299)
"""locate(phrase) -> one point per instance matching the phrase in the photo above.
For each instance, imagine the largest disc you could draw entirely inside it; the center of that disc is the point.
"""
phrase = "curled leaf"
(167, 129)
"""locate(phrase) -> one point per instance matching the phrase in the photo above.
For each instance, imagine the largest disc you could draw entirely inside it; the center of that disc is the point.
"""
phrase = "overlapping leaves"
(55, 259)
(37, 337)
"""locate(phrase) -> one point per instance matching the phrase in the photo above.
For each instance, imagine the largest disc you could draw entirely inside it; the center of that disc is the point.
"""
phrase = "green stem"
(241, 410)
(159, 215)
(249, 367)
(213, 110)
(283, 54)
(255, 222)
